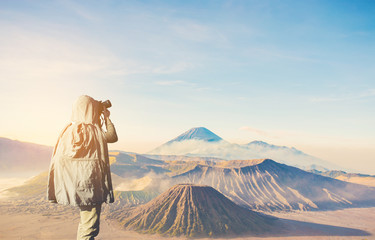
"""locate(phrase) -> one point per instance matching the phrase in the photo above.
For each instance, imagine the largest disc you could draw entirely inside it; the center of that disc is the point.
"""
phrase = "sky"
(293, 73)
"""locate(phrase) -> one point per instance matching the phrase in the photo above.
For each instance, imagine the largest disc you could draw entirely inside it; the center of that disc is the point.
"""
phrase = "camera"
(105, 104)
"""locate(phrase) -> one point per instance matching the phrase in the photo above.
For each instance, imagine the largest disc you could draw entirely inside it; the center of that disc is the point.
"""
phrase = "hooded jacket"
(79, 173)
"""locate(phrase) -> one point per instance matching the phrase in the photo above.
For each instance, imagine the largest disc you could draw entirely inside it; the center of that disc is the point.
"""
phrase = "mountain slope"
(358, 178)
(268, 185)
(134, 165)
(23, 158)
(195, 211)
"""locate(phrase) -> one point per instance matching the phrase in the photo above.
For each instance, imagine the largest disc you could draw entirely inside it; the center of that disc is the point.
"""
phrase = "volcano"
(196, 211)
(198, 133)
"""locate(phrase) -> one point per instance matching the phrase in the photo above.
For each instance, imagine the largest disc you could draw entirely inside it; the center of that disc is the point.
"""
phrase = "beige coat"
(79, 173)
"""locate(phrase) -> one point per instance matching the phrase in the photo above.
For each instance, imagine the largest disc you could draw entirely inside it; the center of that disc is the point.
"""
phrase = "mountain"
(196, 211)
(192, 136)
(260, 184)
(358, 178)
(134, 165)
(199, 133)
(264, 184)
(181, 158)
(288, 155)
(200, 142)
(23, 158)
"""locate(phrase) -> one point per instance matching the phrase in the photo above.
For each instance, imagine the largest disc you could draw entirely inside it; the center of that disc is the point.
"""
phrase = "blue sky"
(294, 73)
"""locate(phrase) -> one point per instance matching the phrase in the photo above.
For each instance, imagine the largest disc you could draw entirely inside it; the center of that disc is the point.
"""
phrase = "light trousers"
(88, 227)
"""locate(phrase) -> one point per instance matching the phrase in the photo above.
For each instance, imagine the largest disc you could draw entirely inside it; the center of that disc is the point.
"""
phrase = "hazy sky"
(294, 73)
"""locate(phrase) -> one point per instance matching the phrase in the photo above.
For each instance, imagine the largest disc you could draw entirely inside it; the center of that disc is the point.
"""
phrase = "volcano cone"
(196, 211)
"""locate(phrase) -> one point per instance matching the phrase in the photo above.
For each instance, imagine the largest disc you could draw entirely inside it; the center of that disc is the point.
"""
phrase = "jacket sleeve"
(110, 135)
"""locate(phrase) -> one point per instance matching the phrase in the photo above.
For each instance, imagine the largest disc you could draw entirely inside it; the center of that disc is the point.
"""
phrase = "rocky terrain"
(196, 211)
(261, 184)
(268, 185)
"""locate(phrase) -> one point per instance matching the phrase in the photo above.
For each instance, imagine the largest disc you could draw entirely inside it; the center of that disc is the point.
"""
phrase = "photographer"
(79, 173)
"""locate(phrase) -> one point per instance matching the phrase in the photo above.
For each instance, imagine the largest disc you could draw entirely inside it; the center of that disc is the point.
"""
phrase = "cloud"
(270, 54)
(207, 89)
(357, 96)
(134, 184)
(326, 99)
(254, 130)
(193, 86)
(197, 32)
(79, 10)
(368, 93)
(280, 134)
(174, 68)
(298, 138)
(192, 31)
(273, 133)
(39, 53)
(53, 53)
(171, 83)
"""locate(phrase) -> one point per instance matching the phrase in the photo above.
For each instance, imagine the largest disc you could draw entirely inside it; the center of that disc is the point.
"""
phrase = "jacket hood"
(86, 110)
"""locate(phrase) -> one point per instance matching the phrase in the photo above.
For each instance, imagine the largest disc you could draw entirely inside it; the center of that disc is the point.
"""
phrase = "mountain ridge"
(199, 147)
(364, 179)
(19, 158)
(270, 186)
(259, 184)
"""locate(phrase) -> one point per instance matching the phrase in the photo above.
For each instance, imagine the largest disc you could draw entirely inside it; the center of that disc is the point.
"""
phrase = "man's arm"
(110, 135)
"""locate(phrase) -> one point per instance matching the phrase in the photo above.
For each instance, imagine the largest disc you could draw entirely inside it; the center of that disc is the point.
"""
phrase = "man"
(79, 173)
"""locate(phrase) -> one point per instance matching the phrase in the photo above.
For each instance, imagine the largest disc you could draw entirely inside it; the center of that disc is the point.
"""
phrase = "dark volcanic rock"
(196, 211)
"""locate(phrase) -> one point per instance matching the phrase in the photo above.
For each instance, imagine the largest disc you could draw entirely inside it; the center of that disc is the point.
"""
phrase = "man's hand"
(106, 113)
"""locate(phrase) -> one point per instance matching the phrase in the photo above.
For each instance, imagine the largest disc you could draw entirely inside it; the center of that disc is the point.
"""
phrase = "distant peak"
(258, 143)
(197, 133)
(243, 163)
(264, 144)
(198, 129)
